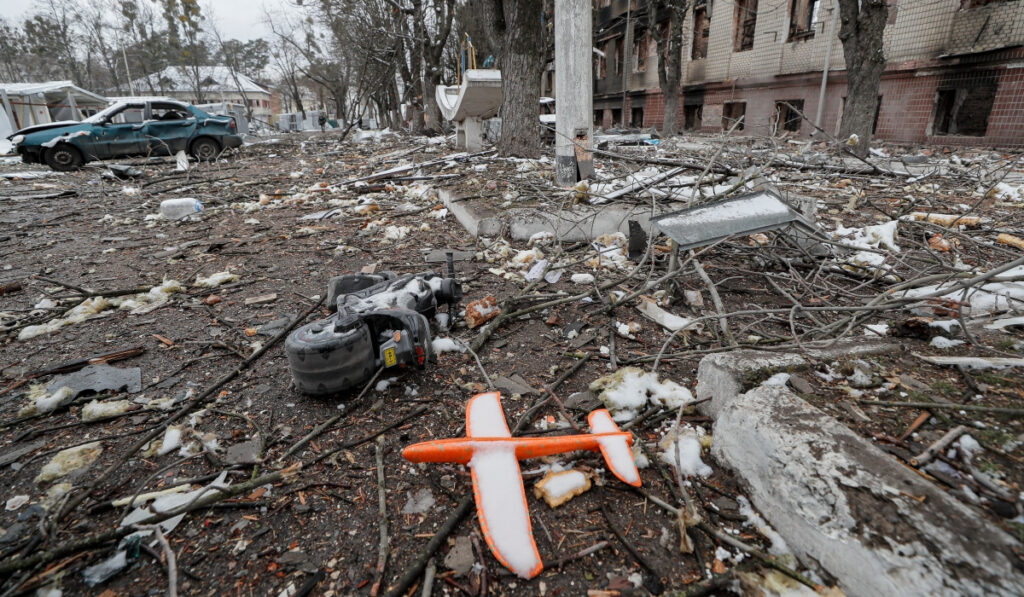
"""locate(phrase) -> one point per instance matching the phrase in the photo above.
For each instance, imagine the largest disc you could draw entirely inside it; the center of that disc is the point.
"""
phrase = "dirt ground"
(304, 517)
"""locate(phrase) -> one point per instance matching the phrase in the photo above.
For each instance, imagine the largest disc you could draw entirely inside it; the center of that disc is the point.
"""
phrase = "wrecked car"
(133, 128)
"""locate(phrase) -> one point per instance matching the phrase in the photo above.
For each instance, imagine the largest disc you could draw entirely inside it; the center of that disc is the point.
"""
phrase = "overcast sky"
(236, 19)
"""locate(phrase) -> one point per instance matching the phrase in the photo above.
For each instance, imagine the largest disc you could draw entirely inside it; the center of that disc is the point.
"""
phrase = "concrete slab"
(841, 504)
(580, 223)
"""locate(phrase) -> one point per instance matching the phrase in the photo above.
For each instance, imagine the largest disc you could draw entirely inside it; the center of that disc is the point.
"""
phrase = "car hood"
(42, 127)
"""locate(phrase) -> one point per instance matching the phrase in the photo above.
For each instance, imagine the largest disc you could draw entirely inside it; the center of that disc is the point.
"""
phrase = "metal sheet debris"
(706, 224)
(97, 378)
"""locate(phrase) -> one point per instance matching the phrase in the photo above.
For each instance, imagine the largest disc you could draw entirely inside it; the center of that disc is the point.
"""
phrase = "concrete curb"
(841, 504)
(581, 223)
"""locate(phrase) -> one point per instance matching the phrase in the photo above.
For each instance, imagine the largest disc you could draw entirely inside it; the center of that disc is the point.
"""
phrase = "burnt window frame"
(947, 95)
(802, 28)
(744, 17)
(701, 29)
(792, 110)
(733, 118)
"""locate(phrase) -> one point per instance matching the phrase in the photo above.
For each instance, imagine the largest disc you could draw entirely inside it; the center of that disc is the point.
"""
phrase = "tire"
(324, 362)
(205, 149)
(63, 157)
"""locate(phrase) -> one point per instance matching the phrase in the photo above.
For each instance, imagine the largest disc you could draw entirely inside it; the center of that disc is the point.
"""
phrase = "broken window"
(692, 116)
(965, 4)
(598, 118)
(600, 66)
(964, 110)
(640, 44)
(618, 56)
(744, 21)
(701, 29)
(637, 118)
(733, 114)
(787, 115)
(616, 116)
(803, 16)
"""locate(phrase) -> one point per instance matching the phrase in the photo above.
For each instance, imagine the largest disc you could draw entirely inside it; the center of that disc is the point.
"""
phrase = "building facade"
(954, 75)
(218, 84)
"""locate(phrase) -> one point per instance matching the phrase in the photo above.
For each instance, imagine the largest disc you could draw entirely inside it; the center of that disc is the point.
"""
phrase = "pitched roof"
(50, 87)
(213, 78)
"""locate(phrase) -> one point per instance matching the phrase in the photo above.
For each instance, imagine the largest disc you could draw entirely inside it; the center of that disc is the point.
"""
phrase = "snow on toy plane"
(493, 455)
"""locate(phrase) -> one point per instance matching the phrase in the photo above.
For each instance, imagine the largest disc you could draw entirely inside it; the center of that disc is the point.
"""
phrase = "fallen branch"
(416, 567)
(72, 547)
(1018, 412)
(382, 517)
(943, 442)
(189, 407)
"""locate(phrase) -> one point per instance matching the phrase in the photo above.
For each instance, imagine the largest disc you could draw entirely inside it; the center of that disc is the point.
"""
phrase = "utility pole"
(574, 88)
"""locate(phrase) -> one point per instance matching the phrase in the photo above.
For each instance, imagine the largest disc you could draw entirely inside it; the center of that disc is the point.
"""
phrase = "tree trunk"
(432, 124)
(861, 29)
(521, 68)
(670, 45)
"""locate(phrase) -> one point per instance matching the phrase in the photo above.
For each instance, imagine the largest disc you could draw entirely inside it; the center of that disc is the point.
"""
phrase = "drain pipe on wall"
(824, 71)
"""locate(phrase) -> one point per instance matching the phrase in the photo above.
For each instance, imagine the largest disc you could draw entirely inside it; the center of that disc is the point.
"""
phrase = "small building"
(28, 104)
(216, 85)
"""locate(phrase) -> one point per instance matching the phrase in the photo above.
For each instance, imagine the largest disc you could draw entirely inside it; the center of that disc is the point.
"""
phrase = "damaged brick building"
(955, 73)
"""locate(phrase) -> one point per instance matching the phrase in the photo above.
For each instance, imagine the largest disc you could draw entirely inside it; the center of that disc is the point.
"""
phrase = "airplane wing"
(616, 450)
(498, 489)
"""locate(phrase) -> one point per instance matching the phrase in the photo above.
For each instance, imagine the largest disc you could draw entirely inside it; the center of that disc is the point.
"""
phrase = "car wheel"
(324, 361)
(63, 157)
(205, 149)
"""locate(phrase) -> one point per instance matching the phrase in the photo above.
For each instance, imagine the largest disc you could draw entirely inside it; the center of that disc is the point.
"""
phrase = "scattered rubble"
(916, 256)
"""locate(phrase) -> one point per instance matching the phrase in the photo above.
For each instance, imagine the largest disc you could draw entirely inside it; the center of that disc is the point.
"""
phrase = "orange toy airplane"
(493, 455)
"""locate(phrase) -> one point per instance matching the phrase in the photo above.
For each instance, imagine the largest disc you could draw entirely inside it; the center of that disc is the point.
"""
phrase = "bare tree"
(861, 30)
(665, 22)
(519, 26)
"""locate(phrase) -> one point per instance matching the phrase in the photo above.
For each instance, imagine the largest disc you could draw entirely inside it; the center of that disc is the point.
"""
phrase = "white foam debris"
(943, 342)
(168, 503)
(684, 452)
(142, 498)
(384, 383)
(214, 280)
(87, 309)
(870, 237)
(439, 214)
(778, 546)
(969, 446)
(629, 389)
(171, 441)
(582, 278)
(611, 252)
(1009, 192)
(627, 329)
(418, 503)
(16, 502)
(394, 233)
(541, 238)
(990, 297)
(447, 345)
(42, 402)
(650, 309)
(526, 257)
(69, 460)
(876, 329)
(96, 410)
(779, 379)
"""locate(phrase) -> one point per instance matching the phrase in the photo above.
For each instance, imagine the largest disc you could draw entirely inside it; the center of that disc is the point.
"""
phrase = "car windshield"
(117, 113)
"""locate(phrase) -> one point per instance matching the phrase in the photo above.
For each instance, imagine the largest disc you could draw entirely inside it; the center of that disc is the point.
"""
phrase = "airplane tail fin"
(614, 448)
